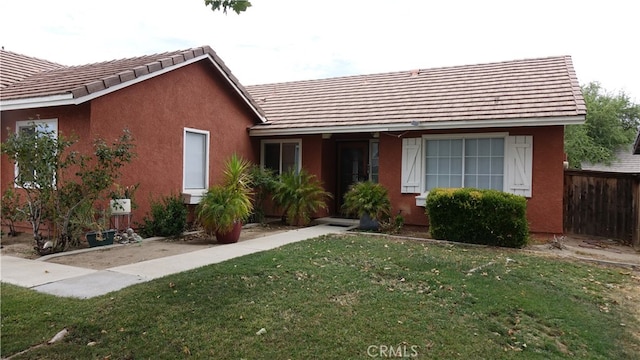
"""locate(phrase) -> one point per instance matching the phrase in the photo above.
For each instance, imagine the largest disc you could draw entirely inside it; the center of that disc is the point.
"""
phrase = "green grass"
(338, 298)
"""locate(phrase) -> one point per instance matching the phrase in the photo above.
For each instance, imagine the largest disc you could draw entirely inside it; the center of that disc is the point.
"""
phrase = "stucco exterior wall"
(72, 121)
(156, 111)
(544, 208)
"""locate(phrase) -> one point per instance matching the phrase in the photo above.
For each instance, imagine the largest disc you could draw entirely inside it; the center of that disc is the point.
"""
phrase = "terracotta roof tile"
(40, 78)
(520, 89)
(15, 67)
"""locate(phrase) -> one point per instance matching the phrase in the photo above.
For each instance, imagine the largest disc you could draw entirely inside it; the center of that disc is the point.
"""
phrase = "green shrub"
(475, 216)
(300, 195)
(392, 226)
(12, 210)
(229, 203)
(367, 198)
(263, 181)
(168, 218)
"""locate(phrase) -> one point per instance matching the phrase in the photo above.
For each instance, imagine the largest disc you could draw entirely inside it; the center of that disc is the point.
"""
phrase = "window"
(374, 160)
(30, 127)
(281, 155)
(487, 161)
(196, 161)
(465, 162)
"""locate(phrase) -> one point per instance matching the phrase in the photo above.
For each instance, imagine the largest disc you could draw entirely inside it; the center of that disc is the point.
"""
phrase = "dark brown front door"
(353, 158)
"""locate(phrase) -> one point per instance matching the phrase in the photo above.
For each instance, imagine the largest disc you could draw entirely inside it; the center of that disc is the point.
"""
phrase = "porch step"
(335, 221)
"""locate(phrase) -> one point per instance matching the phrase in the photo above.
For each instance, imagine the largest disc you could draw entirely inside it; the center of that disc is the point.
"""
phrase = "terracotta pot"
(230, 237)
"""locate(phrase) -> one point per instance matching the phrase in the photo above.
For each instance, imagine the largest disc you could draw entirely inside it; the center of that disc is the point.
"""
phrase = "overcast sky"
(284, 40)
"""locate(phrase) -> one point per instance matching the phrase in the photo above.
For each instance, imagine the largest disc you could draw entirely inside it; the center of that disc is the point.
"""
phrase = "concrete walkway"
(70, 281)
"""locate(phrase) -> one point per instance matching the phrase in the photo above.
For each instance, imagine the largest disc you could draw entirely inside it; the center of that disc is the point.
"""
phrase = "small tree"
(95, 175)
(57, 181)
(37, 152)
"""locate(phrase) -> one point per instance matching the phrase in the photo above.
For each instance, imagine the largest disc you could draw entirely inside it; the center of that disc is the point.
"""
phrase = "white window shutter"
(519, 158)
(411, 165)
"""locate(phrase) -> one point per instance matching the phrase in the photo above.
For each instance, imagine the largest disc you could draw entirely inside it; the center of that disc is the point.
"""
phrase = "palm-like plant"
(229, 203)
(369, 201)
(367, 198)
(300, 195)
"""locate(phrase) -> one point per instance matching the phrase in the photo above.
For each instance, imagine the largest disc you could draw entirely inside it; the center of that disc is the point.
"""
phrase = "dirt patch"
(20, 245)
(592, 248)
(574, 246)
(100, 258)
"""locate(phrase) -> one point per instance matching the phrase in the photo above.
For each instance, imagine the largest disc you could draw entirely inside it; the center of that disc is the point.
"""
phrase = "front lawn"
(343, 297)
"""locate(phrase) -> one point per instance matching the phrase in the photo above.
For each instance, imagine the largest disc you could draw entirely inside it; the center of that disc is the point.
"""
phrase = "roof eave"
(236, 87)
(36, 102)
(263, 130)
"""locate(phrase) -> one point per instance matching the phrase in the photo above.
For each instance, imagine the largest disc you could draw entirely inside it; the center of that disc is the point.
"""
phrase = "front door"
(353, 165)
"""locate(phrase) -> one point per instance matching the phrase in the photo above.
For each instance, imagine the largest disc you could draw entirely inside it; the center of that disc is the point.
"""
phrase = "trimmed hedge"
(476, 216)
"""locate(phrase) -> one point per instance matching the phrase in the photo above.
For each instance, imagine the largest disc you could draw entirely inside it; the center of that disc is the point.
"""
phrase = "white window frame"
(466, 136)
(193, 195)
(51, 124)
(422, 198)
(263, 143)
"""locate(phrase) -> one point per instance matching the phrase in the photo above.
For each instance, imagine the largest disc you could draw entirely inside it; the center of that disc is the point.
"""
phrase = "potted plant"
(224, 207)
(369, 201)
(300, 195)
(94, 225)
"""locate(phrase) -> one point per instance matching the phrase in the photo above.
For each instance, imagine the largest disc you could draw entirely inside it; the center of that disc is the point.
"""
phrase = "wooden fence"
(602, 204)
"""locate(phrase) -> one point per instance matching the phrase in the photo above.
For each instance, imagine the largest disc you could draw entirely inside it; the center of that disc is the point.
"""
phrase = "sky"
(287, 40)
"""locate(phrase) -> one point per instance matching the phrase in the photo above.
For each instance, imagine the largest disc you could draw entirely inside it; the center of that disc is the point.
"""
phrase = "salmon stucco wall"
(312, 150)
(73, 122)
(544, 208)
(390, 176)
(157, 111)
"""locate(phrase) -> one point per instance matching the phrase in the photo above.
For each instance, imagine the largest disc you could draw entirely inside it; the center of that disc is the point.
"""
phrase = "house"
(497, 125)
(625, 162)
(185, 110)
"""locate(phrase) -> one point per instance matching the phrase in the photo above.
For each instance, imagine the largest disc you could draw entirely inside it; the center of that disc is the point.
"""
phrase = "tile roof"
(15, 67)
(511, 90)
(78, 82)
(625, 162)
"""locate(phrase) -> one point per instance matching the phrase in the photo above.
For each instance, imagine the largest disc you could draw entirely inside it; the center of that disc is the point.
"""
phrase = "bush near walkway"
(477, 216)
(168, 218)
